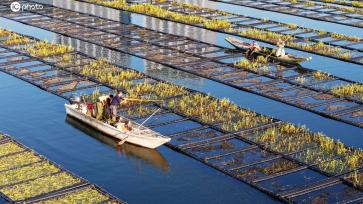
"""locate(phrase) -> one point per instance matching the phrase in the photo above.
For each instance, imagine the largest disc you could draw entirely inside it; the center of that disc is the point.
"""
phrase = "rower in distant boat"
(280, 52)
(254, 47)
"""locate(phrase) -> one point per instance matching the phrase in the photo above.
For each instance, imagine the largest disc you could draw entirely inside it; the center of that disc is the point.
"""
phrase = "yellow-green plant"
(357, 4)
(28, 172)
(45, 49)
(40, 186)
(348, 89)
(211, 110)
(107, 73)
(329, 155)
(309, 3)
(9, 148)
(346, 37)
(265, 35)
(87, 195)
(319, 75)
(15, 39)
(18, 160)
(255, 65)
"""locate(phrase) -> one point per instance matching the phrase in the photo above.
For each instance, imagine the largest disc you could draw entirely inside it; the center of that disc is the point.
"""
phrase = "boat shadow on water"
(150, 156)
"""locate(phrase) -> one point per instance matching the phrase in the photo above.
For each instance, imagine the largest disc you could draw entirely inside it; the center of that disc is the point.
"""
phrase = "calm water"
(134, 174)
(335, 67)
(138, 175)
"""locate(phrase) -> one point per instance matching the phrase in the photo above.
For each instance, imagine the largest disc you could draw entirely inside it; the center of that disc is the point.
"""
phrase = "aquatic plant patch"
(44, 49)
(330, 156)
(349, 90)
(40, 186)
(9, 148)
(212, 110)
(18, 160)
(28, 172)
(181, 15)
(84, 196)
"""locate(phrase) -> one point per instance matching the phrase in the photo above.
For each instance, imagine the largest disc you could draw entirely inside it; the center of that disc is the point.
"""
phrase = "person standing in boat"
(280, 52)
(115, 103)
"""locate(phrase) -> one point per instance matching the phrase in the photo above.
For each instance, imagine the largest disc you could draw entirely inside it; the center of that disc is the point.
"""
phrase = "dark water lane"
(136, 175)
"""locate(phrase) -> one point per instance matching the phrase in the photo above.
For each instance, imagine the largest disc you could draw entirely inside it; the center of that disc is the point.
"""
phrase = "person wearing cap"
(115, 103)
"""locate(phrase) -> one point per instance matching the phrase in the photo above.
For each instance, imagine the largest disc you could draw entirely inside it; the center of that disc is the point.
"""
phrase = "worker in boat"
(254, 47)
(106, 109)
(280, 52)
(125, 126)
(115, 103)
(100, 104)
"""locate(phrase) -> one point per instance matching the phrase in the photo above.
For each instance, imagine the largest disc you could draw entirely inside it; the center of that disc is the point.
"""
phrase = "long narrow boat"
(289, 58)
(139, 135)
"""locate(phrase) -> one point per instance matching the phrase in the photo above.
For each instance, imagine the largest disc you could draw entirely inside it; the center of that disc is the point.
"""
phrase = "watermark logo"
(16, 6)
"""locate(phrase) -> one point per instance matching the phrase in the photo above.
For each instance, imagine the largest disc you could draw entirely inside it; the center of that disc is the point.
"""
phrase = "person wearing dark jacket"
(115, 103)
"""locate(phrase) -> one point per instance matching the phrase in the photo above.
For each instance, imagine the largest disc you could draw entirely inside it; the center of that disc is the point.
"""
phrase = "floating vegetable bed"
(231, 133)
(27, 176)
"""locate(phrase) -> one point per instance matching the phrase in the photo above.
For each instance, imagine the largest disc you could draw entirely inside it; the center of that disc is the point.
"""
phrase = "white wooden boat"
(139, 135)
(265, 51)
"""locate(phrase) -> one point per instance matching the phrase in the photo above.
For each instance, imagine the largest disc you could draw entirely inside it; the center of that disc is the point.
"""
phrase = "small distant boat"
(289, 58)
(139, 135)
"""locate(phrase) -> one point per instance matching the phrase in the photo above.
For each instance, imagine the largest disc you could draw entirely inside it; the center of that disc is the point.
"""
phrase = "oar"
(137, 99)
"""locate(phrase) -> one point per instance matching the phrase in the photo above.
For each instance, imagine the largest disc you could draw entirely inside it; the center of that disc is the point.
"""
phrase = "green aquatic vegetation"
(18, 160)
(4, 32)
(345, 37)
(309, 3)
(322, 48)
(265, 35)
(9, 148)
(39, 186)
(84, 196)
(157, 90)
(332, 156)
(45, 49)
(16, 39)
(28, 172)
(257, 64)
(356, 178)
(140, 111)
(358, 4)
(212, 110)
(157, 11)
(348, 89)
(196, 7)
(321, 76)
(107, 73)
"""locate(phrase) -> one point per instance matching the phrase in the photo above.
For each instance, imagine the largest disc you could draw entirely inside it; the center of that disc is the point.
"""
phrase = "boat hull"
(136, 136)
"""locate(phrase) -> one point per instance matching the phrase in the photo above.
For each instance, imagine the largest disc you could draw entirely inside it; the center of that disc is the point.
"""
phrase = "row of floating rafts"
(27, 175)
(208, 109)
(227, 26)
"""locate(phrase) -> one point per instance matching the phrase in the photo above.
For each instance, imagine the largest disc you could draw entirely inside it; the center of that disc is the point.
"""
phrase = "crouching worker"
(124, 126)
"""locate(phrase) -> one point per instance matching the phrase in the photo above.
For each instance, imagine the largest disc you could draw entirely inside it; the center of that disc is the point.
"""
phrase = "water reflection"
(150, 156)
